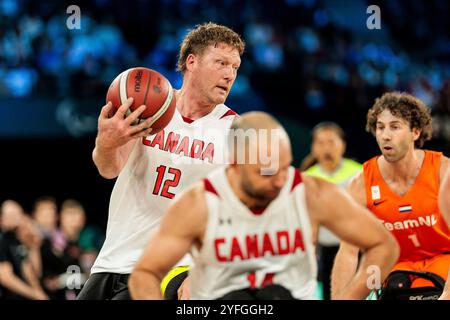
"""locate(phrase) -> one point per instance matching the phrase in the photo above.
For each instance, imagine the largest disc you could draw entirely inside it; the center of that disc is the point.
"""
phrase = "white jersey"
(242, 249)
(159, 167)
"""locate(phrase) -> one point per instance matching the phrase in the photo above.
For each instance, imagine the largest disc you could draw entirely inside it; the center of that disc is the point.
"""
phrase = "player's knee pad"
(398, 286)
(172, 282)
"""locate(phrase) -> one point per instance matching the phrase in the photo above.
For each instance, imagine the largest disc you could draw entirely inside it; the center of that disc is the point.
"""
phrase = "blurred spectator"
(19, 275)
(11, 213)
(65, 253)
(45, 214)
(91, 241)
(328, 149)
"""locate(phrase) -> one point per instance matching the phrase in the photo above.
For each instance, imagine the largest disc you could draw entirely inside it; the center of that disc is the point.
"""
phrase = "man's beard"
(260, 197)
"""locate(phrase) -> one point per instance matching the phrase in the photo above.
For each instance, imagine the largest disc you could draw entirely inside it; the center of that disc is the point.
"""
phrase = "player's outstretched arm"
(444, 192)
(336, 210)
(116, 137)
(182, 227)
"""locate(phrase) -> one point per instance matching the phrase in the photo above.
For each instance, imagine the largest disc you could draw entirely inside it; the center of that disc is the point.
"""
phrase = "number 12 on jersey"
(171, 179)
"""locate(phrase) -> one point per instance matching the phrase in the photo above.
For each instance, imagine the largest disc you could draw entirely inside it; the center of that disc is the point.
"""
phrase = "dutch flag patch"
(407, 208)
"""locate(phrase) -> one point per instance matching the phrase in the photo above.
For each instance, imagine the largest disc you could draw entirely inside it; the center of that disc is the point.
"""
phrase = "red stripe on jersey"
(258, 210)
(186, 119)
(297, 179)
(229, 113)
(209, 187)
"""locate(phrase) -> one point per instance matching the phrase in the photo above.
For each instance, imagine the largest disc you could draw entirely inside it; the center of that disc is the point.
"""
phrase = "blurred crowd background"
(306, 61)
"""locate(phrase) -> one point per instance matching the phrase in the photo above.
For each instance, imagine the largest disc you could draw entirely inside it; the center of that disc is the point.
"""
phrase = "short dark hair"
(71, 204)
(42, 199)
(328, 125)
(407, 107)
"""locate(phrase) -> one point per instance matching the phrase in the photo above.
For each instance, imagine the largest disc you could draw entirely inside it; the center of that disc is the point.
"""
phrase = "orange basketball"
(148, 87)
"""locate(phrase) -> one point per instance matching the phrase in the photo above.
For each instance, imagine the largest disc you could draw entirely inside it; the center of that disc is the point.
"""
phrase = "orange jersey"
(414, 218)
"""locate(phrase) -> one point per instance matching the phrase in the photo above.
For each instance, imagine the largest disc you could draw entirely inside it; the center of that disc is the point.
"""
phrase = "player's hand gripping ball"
(148, 87)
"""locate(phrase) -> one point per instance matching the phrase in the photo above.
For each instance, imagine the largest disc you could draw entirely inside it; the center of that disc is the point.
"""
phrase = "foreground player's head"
(209, 58)
(400, 122)
(260, 155)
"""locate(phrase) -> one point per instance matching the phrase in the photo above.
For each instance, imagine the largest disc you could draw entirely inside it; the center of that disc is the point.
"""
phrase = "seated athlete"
(401, 189)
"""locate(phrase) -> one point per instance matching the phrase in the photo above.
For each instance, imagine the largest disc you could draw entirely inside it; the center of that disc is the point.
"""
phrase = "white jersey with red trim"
(242, 249)
(159, 167)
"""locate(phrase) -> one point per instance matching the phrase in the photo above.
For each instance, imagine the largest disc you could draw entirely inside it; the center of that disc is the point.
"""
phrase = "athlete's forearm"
(344, 269)
(144, 285)
(446, 293)
(107, 161)
(375, 266)
(111, 160)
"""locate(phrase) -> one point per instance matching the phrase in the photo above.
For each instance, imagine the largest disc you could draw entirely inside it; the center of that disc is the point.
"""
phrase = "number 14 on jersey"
(166, 178)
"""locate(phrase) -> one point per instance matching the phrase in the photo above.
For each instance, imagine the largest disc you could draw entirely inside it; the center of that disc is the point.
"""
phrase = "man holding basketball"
(401, 188)
(152, 169)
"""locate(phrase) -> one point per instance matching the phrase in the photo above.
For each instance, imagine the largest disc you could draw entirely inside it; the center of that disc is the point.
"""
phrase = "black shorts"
(105, 286)
(269, 292)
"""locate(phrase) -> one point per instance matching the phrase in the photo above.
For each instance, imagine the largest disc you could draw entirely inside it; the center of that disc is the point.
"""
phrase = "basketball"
(148, 87)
